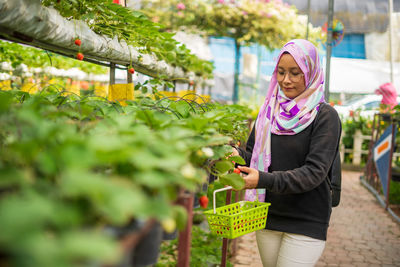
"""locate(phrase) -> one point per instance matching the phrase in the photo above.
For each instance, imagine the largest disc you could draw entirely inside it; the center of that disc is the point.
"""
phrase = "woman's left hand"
(252, 177)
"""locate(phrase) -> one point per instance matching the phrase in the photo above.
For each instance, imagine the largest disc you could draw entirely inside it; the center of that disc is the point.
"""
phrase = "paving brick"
(361, 233)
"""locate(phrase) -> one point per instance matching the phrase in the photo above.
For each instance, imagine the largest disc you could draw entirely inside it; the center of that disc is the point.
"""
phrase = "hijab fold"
(281, 115)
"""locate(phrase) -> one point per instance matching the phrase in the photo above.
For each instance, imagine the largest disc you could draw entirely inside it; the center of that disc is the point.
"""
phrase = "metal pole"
(235, 96)
(391, 39)
(129, 77)
(328, 49)
(112, 73)
(308, 16)
(394, 124)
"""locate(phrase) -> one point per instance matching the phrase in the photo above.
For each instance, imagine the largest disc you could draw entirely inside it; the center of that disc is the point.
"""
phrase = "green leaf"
(234, 180)
(238, 160)
(224, 166)
(5, 101)
(90, 245)
(180, 217)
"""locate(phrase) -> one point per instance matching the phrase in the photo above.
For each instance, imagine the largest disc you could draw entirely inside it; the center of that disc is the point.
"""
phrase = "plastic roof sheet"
(358, 16)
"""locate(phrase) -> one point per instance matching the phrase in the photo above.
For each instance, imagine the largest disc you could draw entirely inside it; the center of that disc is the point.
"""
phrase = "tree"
(267, 22)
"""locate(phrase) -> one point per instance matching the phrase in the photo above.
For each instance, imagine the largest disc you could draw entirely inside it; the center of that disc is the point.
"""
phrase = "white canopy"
(360, 76)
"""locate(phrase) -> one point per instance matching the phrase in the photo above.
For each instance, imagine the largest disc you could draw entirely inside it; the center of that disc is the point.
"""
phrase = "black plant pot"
(147, 250)
(170, 236)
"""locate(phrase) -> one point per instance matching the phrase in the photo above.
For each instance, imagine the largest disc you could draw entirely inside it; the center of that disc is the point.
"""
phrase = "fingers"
(252, 177)
(245, 169)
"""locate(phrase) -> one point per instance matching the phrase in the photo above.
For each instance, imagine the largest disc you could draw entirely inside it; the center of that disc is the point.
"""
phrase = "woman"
(290, 151)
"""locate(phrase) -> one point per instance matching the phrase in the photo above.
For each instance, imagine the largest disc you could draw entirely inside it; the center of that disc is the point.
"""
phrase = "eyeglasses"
(294, 77)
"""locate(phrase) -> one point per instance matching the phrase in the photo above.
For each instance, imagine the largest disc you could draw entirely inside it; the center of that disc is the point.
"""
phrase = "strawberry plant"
(17, 54)
(72, 167)
(115, 21)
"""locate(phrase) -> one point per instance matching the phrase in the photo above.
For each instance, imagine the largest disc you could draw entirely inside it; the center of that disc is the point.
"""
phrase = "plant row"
(76, 171)
(133, 27)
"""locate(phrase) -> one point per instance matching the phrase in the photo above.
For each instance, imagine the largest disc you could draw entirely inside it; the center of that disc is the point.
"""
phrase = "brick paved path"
(361, 233)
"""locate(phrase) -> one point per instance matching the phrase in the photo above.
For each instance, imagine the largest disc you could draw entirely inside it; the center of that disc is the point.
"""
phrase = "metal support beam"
(112, 73)
(329, 49)
(129, 76)
(308, 16)
(391, 40)
(235, 96)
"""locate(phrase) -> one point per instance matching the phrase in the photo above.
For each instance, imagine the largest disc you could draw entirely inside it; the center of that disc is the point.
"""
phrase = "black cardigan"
(296, 183)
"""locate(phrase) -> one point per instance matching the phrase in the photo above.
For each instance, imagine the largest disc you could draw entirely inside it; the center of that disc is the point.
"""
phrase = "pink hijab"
(389, 94)
(284, 116)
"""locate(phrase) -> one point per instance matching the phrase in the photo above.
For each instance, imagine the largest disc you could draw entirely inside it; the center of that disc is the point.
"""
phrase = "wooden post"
(184, 241)
(369, 167)
(357, 146)
(225, 240)
(342, 147)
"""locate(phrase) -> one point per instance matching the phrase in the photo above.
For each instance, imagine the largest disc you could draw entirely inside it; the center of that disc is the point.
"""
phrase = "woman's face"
(290, 77)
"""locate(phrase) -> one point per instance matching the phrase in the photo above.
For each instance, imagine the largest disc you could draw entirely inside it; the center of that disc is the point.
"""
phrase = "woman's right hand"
(234, 152)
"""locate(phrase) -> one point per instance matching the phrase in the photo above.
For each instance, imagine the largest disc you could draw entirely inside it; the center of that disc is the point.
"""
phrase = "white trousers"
(278, 249)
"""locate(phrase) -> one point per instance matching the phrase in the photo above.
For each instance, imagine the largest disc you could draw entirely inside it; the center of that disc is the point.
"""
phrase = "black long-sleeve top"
(296, 183)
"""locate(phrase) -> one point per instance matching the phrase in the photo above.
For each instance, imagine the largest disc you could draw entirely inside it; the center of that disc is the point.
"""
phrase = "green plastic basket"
(237, 219)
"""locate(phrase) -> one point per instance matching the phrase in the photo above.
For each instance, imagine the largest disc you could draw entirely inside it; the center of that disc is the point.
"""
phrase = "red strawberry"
(203, 201)
(131, 70)
(236, 170)
(79, 56)
(78, 42)
(191, 82)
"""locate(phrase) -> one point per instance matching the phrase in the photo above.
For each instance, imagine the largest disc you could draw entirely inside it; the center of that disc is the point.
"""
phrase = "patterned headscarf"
(284, 116)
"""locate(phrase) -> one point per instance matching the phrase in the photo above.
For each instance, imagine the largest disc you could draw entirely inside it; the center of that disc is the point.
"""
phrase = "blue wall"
(352, 46)
(223, 50)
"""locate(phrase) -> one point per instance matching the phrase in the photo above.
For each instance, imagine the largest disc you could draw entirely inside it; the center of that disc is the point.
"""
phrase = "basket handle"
(216, 191)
